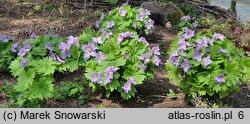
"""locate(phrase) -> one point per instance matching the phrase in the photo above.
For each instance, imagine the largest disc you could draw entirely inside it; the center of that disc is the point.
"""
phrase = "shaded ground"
(151, 93)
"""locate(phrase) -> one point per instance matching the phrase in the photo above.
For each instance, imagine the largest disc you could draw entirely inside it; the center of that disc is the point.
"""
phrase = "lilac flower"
(65, 49)
(218, 36)
(99, 57)
(224, 51)
(156, 50)
(102, 16)
(55, 35)
(149, 25)
(198, 54)
(24, 62)
(109, 74)
(230, 59)
(134, 25)
(97, 24)
(157, 60)
(96, 77)
(23, 52)
(143, 13)
(73, 41)
(147, 12)
(49, 46)
(145, 57)
(28, 45)
(125, 55)
(204, 42)
(89, 50)
(14, 47)
(6, 39)
(175, 60)
(220, 78)
(33, 35)
(208, 50)
(105, 33)
(110, 12)
(207, 61)
(124, 4)
(140, 17)
(97, 40)
(60, 60)
(122, 11)
(175, 53)
(186, 65)
(186, 17)
(142, 67)
(181, 40)
(110, 24)
(122, 36)
(127, 85)
(182, 46)
(128, 34)
(143, 39)
(52, 55)
(188, 34)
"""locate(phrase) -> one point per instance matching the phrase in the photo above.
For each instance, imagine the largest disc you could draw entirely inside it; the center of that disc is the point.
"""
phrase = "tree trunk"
(233, 6)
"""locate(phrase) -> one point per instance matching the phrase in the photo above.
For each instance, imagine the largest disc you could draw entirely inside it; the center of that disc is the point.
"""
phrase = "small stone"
(163, 13)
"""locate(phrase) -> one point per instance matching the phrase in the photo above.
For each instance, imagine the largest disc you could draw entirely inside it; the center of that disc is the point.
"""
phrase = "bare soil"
(151, 93)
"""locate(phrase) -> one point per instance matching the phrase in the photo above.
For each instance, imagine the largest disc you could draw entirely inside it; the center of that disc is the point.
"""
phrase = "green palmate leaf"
(70, 65)
(15, 68)
(217, 87)
(25, 80)
(39, 51)
(119, 62)
(45, 66)
(139, 77)
(113, 86)
(87, 35)
(40, 89)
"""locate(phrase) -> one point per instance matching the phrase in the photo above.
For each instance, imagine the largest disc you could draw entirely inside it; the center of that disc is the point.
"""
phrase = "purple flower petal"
(110, 24)
(218, 36)
(157, 60)
(186, 65)
(220, 79)
(96, 77)
(97, 40)
(24, 62)
(207, 61)
(156, 50)
(100, 57)
(89, 50)
(186, 17)
(224, 51)
(142, 67)
(145, 58)
(33, 35)
(188, 34)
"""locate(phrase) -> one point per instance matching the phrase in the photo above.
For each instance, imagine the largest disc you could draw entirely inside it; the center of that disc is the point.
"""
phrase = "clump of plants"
(117, 57)
(38, 59)
(72, 89)
(207, 64)
(6, 54)
(8, 95)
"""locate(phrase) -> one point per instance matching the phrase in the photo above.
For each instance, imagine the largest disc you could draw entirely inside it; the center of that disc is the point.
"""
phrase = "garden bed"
(152, 93)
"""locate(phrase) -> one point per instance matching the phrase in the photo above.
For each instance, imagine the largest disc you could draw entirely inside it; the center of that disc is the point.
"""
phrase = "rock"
(162, 13)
